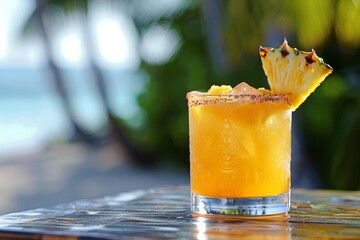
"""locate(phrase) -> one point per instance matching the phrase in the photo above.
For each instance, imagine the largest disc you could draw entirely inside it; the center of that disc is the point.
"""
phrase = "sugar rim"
(196, 98)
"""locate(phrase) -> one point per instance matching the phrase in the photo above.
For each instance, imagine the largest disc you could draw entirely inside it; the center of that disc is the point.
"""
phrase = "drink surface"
(239, 146)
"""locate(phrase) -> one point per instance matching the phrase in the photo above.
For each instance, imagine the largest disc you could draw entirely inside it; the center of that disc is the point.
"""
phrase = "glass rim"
(196, 98)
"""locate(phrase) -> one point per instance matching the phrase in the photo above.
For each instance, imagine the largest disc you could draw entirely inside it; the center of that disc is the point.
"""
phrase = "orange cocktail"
(240, 147)
(240, 138)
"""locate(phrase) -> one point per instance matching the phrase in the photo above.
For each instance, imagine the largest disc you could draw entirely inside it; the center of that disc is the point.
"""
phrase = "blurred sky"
(30, 112)
(114, 32)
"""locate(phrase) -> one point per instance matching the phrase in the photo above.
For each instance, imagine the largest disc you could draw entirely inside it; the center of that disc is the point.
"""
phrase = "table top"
(164, 213)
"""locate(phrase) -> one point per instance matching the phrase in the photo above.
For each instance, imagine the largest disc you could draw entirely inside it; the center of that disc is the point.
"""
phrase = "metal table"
(164, 213)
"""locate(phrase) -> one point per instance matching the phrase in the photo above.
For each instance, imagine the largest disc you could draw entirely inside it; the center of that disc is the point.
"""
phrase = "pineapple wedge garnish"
(293, 72)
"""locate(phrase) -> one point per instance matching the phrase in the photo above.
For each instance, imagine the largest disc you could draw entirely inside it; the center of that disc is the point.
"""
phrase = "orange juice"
(240, 145)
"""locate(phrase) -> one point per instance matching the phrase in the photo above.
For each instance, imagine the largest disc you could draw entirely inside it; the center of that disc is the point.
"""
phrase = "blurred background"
(92, 93)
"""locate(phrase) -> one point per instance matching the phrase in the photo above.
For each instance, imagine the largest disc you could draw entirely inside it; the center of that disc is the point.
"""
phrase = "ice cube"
(244, 88)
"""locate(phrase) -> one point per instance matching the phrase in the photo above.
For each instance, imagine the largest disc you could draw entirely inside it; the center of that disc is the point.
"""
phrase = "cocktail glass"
(240, 151)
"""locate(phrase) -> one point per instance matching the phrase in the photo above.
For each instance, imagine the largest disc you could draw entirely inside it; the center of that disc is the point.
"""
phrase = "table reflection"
(164, 213)
(269, 228)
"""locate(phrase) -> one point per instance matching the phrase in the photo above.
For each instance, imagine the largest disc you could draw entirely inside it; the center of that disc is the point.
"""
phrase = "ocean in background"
(31, 113)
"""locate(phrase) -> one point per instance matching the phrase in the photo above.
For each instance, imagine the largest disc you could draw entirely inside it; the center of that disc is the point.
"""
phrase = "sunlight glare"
(159, 44)
(113, 45)
(70, 48)
(116, 38)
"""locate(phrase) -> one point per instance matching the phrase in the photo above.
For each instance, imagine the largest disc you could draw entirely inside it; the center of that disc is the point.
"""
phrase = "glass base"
(260, 206)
